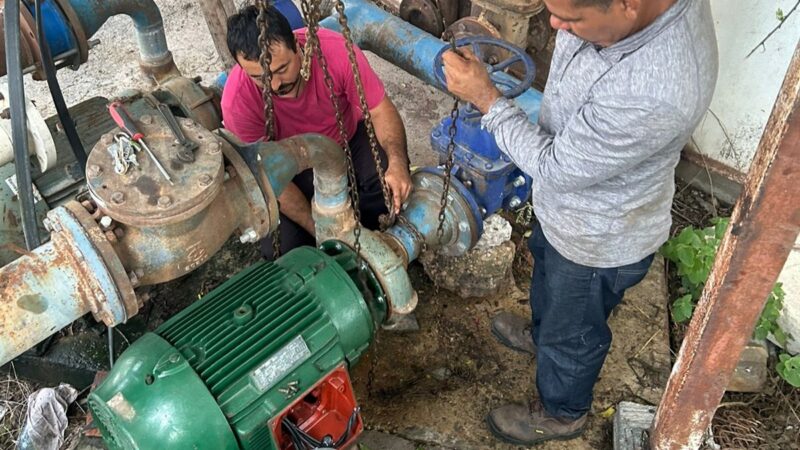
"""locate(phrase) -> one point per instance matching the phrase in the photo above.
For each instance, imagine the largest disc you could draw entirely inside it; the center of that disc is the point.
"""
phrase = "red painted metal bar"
(764, 226)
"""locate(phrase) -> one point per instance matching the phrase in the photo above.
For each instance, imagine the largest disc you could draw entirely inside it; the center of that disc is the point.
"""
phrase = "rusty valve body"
(167, 230)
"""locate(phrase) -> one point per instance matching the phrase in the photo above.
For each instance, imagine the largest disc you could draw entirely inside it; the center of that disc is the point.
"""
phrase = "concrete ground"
(432, 388)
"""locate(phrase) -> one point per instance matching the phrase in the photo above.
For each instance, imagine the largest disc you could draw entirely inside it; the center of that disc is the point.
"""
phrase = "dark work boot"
(521, 425)
(514, 332)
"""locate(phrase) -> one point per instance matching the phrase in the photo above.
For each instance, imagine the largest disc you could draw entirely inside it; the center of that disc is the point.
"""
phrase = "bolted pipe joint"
(418, 228)
(77, 272)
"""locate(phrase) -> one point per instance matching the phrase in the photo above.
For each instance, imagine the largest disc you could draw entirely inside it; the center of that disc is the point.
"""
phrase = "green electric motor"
(256, 364)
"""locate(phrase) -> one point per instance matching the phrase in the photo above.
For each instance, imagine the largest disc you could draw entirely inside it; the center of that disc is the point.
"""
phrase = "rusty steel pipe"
(764, 226)
(73, 274)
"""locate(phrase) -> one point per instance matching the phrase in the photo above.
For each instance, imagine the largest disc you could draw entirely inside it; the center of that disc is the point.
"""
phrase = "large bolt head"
(514, 202)
(214, 148)
(118, 198)
(164, 201)
(205, 180)
(94, 170)
(248, 236)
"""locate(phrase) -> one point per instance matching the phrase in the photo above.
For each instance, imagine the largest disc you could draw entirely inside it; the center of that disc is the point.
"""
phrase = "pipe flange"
(111, 297)
(478, 26)
(388, 268)
(261, 203)
(142, 196)
(77, 29)
(423, 14)
(462, 216)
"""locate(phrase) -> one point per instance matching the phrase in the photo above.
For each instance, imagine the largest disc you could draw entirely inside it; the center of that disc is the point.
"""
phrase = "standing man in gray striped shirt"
(629, 82)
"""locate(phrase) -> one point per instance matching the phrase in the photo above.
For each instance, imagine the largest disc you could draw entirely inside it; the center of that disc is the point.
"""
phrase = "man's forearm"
(295, 206)
(390, 132)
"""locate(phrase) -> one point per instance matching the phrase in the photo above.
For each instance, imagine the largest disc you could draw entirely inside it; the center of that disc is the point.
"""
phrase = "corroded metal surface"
(118, 301)
(193, 100)
(511, 17)
(388, 267)
(479, 26)
(259, 211)
(763, 229)
(141, 196)
(423, 14)
(419, 228)
(163, 231)
(45, 290)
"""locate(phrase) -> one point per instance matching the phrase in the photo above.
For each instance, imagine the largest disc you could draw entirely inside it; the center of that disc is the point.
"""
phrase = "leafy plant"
(693, 252)
(789, 369)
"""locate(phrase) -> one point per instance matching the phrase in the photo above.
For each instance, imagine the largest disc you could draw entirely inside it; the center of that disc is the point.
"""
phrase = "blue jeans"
(571, 304)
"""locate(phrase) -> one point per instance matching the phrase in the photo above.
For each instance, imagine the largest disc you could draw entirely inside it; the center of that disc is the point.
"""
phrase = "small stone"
(750, 374)
(441, 374)
(496, 230)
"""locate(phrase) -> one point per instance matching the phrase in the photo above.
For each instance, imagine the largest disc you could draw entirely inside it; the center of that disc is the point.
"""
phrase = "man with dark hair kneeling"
(302, 106)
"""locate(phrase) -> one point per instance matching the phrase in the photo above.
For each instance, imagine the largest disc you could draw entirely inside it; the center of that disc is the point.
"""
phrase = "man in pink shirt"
(305, 107)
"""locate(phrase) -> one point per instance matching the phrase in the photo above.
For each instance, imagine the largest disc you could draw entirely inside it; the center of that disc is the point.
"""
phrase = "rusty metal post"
(216, 14)
(763, 229)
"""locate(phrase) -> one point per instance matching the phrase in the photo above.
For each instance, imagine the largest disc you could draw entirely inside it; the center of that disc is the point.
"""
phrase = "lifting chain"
(265, 60)
(312, 19)
(387, 220)
(448, 164)
(311, 15)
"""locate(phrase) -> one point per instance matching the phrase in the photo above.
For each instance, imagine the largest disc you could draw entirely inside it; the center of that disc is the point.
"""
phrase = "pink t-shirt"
(312, 111)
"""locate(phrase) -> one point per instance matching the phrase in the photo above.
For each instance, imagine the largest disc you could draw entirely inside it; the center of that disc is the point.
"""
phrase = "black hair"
(602, 4)
(243, 32)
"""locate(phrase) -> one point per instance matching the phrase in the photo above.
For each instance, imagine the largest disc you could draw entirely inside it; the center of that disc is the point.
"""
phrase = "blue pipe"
(59, 35)
(146, 18)
(407, 47)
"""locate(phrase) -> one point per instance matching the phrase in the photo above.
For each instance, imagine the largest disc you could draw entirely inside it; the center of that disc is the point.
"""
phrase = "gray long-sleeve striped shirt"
(611, 127)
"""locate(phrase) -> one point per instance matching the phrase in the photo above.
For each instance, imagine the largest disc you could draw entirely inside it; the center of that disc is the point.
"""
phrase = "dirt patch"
(453, 372)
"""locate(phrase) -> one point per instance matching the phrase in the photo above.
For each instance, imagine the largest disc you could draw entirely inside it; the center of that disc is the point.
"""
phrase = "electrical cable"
(303, 441)
(55, 92)
(19, 122)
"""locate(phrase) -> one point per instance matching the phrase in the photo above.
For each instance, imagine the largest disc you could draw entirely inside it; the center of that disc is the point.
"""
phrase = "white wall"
(747, 86)
(746, 91)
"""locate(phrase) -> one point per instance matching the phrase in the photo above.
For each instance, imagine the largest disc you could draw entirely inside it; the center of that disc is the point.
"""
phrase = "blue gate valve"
(489, 175)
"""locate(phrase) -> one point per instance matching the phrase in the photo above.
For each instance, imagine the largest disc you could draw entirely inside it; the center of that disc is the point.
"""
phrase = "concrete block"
(482, 271)
(750, 374)
(631, 426)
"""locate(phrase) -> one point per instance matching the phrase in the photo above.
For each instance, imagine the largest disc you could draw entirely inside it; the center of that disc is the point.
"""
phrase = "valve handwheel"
(509, 86)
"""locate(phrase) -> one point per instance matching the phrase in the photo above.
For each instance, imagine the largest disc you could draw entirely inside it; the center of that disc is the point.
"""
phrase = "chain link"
(388, 220)
(449, 161)
(312, 19)
(311, 14)
(265, 60)
(414, 231)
